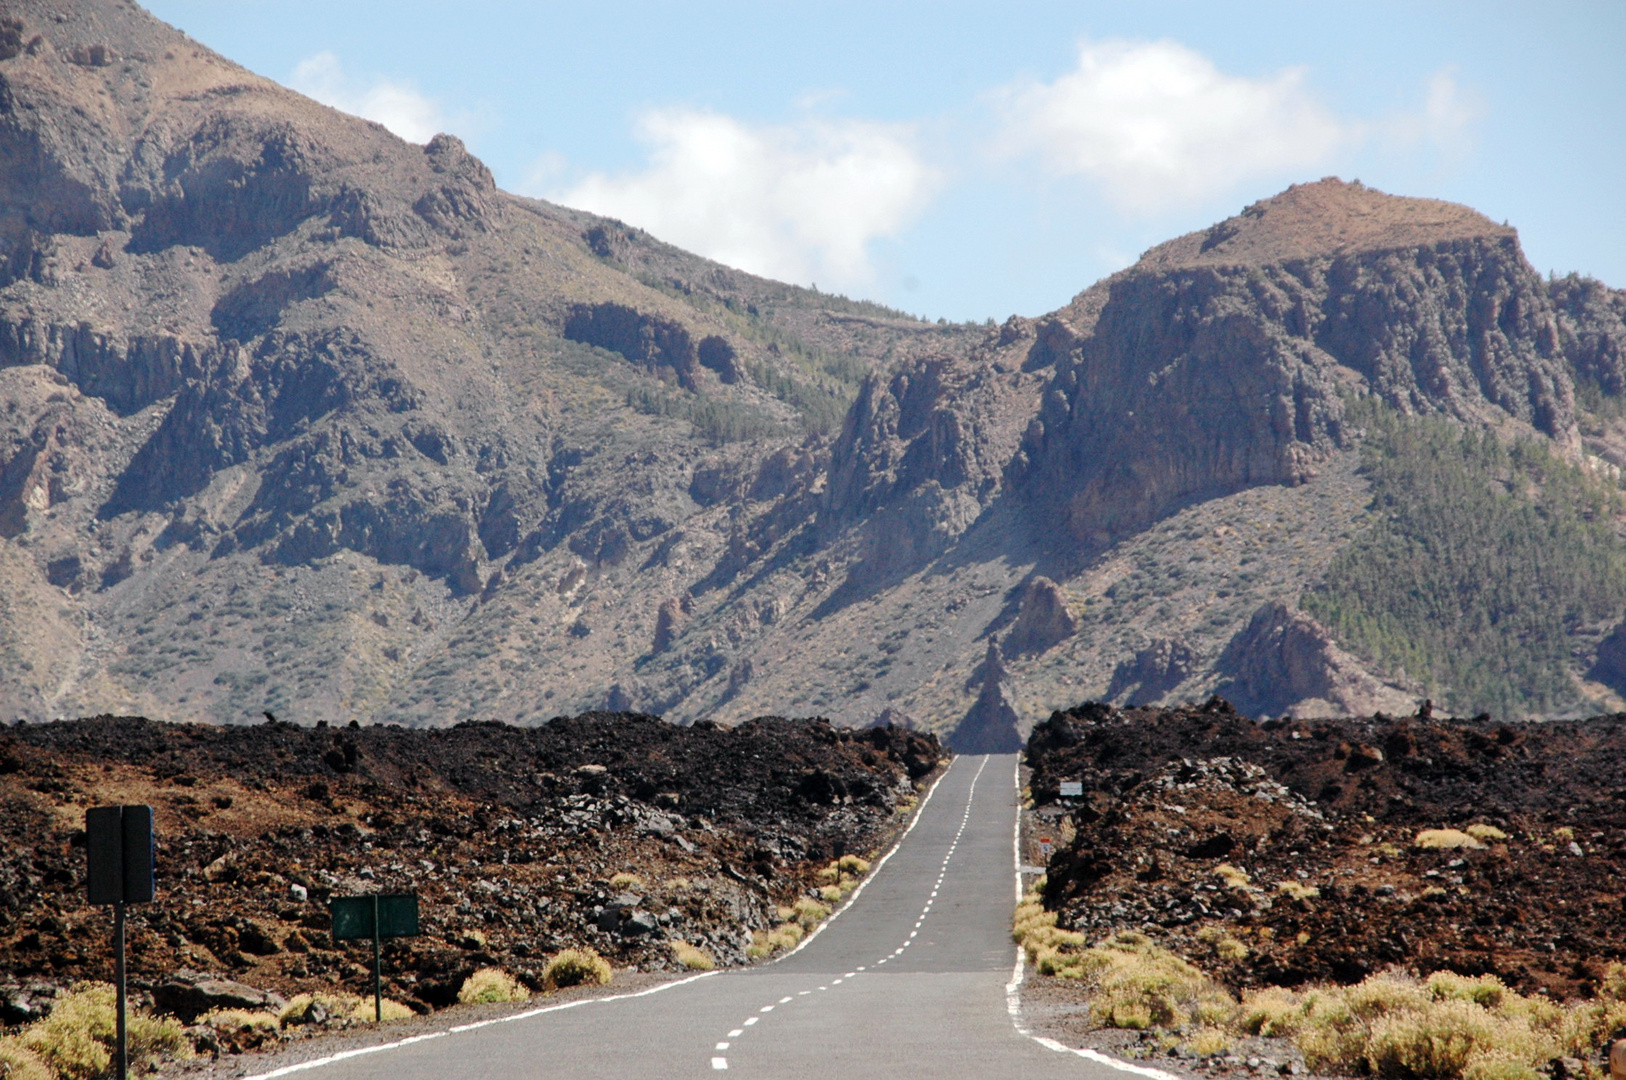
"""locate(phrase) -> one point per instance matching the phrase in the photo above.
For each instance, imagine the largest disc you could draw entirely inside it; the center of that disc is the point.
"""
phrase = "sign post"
(378, 916)
(119, 853)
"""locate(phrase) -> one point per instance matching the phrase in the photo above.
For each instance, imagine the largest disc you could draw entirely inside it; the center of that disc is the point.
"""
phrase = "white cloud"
(799, 203)
(1445, 123)
(397, 106)
(1156, 124)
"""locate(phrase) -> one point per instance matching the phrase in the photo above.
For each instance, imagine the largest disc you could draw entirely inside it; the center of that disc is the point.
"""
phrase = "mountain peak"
(1327, 218)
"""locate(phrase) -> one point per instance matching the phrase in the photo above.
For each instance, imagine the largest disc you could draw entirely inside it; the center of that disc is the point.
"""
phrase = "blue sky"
(970, 161)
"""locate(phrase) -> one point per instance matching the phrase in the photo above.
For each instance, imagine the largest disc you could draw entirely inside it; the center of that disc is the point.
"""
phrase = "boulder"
(188, 995)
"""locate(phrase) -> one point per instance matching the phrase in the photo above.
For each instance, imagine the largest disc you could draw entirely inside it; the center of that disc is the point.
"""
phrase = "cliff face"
(1220, 360)
(295, 414)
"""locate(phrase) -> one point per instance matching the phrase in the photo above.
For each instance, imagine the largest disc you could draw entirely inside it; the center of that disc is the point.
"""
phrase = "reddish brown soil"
(509, 835)
(1336, 805)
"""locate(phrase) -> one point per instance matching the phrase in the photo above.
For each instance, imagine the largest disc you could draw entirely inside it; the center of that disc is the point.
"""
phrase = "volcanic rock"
(189, 994)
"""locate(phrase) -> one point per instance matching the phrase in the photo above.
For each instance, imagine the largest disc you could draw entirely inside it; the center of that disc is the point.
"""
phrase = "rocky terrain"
(1306, 841)
(619, 832)
(296, 415)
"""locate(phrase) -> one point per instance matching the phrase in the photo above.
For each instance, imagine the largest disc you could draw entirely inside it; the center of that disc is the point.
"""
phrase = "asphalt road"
(909, 981)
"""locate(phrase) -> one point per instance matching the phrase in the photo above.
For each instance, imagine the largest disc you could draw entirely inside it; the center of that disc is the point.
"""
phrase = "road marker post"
(376, 916)
(119, 870)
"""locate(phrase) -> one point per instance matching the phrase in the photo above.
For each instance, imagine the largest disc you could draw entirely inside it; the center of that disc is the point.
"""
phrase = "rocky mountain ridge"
(299, 415)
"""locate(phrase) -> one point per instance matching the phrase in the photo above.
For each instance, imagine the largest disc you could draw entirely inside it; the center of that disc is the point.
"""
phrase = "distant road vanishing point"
(911, 980)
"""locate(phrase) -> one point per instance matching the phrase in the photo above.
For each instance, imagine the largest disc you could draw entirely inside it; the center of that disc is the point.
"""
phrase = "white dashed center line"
(722, 1062)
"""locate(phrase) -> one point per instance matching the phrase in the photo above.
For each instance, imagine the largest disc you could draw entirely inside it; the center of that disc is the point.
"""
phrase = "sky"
(969, 161)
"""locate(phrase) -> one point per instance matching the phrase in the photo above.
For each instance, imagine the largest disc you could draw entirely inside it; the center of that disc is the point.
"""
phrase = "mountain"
(301, 416)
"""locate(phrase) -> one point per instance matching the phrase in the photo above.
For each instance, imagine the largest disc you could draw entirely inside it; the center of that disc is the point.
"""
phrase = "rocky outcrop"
(1042, 619)
(1284, 661)
(990, 726)
(920, 457)
(662, 345)
(1219, 361)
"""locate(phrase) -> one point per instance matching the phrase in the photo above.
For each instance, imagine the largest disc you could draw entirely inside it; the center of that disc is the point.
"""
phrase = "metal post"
(122, 1046)
(378, 989)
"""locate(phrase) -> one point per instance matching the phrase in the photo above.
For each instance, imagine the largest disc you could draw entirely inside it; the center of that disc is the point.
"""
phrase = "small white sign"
(1072, 789)
(1044, 847)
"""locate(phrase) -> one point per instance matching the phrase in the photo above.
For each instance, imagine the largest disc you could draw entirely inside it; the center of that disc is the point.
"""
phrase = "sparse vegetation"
(489, 986)
(1393, 1025)
(626, 880)
(714, 419)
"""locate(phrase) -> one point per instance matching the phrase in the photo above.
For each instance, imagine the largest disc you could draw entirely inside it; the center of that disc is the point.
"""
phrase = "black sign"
(119, 844)
(381, 916)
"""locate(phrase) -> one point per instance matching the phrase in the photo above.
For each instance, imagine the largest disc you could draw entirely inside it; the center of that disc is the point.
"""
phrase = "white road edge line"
(345, 1055)
(875, 870)
(1013, 989)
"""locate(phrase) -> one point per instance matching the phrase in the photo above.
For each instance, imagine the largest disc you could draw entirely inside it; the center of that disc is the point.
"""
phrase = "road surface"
(909, 981)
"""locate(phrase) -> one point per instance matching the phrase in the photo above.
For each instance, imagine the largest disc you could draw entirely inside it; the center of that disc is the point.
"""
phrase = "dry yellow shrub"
(692, 956)
(573, 967)
(1445, 839)
(490, 985)
(1486, 833)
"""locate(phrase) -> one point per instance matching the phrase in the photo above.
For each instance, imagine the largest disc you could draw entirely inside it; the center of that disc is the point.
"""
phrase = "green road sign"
(378, 916)
(353, 916)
